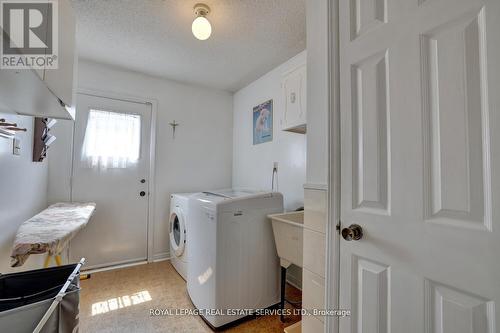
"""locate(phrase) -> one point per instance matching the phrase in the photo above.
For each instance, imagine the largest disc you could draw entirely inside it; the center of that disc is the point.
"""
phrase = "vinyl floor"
(120, 301)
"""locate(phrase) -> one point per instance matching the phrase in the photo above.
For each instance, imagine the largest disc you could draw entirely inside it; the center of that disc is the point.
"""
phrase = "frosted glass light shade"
(201, 28)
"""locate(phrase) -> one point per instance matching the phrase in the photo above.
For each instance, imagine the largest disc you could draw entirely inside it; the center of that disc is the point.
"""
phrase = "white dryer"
(178, 226)
(233, 263)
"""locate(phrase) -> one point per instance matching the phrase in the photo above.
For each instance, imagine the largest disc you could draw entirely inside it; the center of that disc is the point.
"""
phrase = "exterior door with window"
(420, 147)
(111, 160)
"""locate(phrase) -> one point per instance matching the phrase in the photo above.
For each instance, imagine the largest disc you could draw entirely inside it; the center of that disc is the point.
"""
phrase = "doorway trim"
(152, 154)
(334, 155)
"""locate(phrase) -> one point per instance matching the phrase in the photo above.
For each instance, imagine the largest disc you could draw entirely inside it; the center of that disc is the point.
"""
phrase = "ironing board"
(50, 231)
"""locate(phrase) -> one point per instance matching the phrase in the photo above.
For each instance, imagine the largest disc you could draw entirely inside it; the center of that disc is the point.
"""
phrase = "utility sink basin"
(288, 236)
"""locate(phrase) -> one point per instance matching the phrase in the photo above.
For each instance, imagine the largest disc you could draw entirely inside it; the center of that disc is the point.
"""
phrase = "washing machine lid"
(181, 196)
(177, 231)
(232, 193)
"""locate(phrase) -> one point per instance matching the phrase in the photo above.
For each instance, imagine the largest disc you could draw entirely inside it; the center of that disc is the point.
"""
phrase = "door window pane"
(112, 139)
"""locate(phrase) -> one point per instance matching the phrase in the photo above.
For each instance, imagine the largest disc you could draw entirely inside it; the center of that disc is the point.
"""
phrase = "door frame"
(332, 285)
(152, 156)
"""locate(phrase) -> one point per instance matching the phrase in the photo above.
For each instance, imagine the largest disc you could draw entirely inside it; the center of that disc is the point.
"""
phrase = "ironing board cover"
(50, 231)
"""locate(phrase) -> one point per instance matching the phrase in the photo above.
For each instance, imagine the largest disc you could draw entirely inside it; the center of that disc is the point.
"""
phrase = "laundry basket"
(43, 300)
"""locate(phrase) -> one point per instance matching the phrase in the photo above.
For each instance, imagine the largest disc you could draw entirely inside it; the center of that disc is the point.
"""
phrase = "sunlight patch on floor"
(120, 302)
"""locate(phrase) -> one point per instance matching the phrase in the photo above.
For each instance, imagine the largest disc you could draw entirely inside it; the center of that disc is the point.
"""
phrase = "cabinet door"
(24, 93)
(60, 80)
(294, 89)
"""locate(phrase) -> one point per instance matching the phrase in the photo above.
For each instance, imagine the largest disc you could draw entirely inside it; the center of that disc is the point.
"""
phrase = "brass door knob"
(352, 232)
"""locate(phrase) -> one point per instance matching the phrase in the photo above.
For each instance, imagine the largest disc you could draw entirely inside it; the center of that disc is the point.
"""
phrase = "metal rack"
(42, 139)
(8, 129)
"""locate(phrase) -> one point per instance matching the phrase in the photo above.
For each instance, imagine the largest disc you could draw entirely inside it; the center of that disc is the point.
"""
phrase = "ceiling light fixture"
(201, 26)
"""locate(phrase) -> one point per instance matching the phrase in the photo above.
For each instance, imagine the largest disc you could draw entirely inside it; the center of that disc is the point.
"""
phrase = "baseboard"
(111, 267)
(294, 282)
(161, 256)
(315, 186)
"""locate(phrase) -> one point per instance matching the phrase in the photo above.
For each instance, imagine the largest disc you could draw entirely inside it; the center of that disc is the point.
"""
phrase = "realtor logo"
(29, 34)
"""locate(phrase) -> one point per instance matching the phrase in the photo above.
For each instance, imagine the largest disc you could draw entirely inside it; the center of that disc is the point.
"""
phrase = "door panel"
(366, 15)
(371, 292)
(419, 123)
(369, 133)
(452, 310)
(117, 233)
(456, 123)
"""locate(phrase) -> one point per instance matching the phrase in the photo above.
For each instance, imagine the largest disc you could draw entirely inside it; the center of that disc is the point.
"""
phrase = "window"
(112, 139)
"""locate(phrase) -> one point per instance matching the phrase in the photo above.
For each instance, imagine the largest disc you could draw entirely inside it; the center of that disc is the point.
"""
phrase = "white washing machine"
(178, 226)
(233, 263)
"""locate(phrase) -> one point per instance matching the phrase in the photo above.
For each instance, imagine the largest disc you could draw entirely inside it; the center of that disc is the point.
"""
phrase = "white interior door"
(420, 128)
(117, 233)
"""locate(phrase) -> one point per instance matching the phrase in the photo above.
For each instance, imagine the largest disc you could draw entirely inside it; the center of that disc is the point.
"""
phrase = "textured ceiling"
(249, 37)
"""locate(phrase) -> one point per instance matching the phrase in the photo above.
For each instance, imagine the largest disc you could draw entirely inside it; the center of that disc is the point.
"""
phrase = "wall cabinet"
(294, 85)
(60, 80)
(23, 92)
(45, 92)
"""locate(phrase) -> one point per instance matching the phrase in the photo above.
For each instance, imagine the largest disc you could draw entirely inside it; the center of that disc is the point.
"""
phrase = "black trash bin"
(51, 294)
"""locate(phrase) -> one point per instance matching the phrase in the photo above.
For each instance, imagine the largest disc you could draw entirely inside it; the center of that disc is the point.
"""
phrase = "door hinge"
(338, 227)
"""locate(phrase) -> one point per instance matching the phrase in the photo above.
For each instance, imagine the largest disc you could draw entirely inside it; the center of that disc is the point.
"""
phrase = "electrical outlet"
(275, 166)
(16, 146)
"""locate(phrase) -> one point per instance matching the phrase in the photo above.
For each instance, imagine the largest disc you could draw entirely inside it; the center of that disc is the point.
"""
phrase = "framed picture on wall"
(263, 122)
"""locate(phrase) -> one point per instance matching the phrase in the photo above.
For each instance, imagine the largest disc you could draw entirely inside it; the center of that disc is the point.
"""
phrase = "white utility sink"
(287, 229)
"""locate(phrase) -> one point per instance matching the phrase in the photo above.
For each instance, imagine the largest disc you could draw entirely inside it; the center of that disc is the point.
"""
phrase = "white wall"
(317, 94)
(198, 159)
(23, 191)
(252, 165)
(59, 159)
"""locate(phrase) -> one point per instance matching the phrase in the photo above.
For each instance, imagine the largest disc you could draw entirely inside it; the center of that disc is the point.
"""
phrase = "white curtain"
(112, 140)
